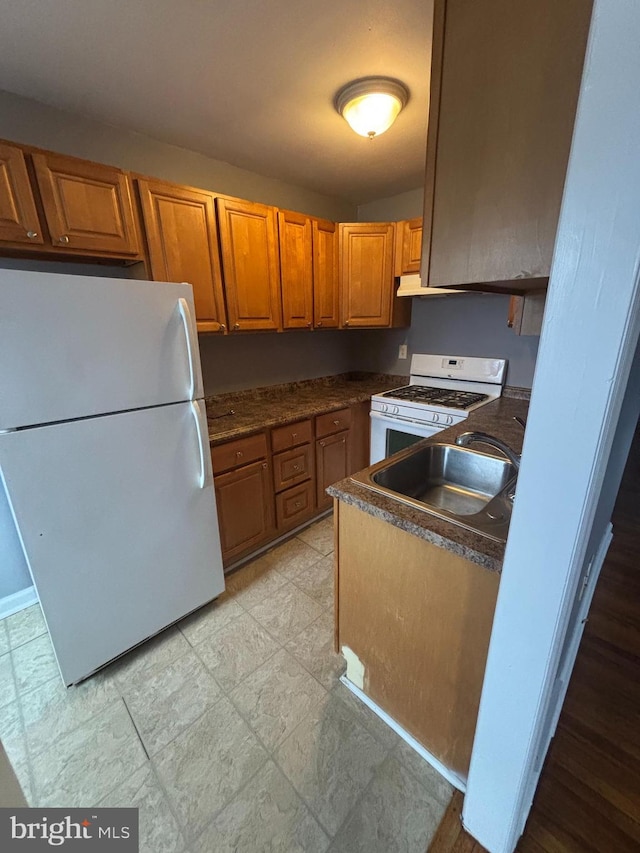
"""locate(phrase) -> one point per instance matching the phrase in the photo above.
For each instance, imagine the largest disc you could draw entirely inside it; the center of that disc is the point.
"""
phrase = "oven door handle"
(390, 419)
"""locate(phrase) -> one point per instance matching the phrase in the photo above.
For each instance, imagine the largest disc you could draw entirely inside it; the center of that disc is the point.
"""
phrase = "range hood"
(411, 285)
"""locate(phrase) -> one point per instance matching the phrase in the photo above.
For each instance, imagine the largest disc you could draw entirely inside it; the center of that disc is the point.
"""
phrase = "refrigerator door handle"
(206, 474)
(185, 314)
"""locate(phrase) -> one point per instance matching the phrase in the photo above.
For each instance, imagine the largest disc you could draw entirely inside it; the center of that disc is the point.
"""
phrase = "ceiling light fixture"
(372, 104)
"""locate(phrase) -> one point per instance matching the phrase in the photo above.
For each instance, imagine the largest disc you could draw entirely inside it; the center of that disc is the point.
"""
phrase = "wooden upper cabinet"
(366, 273)
(87, 205)
(182, 239)
(249, 248)
(505, 79)
(19, 222)
(408, 246)
(296, 269)
(326, 291)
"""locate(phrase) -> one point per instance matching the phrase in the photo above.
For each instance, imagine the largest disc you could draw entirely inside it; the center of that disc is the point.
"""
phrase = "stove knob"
(385, 408)
(449, 419)
(435, 418)
(396, 409)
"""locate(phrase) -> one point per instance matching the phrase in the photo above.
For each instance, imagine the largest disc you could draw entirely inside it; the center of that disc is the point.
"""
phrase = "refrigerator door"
(74, 346)
(117, 519)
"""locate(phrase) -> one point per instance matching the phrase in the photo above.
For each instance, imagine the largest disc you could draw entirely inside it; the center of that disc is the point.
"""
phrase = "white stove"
(442, 391)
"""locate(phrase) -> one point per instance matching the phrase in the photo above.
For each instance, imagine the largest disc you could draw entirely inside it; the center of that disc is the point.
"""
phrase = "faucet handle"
(521, 421)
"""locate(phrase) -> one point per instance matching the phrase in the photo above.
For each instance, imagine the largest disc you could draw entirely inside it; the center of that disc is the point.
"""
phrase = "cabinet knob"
(346, 322)
(337, 423)
(344, 440)
(264, 464)
(308, 325)
(297, 504)
(32, 235)
(319, 323)
(222, 328)
(63, 239)
(236, 325)
(296, 467)
(239, 454)
(322, 444)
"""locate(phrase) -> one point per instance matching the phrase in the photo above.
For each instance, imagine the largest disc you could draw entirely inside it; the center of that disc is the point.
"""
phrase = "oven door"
(390, 434)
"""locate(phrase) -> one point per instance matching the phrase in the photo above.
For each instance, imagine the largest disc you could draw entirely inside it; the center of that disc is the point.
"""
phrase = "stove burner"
(437, 396)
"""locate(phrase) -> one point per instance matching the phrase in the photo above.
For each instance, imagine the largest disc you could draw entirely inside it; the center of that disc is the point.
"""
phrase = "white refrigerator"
(104, 458)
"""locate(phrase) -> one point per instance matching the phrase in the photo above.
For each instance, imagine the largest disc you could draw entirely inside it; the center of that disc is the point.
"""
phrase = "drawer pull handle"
(337, 423)
(297, 504)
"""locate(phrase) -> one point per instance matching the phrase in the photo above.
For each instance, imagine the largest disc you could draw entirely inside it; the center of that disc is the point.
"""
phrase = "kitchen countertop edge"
(495, 418)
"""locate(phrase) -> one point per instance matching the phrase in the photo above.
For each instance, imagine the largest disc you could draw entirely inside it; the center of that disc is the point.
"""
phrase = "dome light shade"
(372, 104)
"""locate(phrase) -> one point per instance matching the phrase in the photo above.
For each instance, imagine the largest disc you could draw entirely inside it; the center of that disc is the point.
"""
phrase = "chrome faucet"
(467, 438)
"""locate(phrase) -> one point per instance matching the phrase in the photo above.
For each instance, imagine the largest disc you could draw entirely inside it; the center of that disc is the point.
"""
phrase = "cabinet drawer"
(291, 435)
(333, 422)
(239, 452)
(294, 505)
(292, 467)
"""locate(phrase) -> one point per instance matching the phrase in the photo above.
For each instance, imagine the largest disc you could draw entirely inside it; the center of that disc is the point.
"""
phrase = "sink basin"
(464, 486)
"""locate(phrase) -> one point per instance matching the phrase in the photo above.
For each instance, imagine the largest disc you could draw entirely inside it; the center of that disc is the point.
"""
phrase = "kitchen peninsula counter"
(495, 418)
(275, 405)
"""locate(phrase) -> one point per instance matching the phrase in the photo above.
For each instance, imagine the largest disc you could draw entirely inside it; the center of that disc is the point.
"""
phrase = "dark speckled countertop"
(275, 405)
(496, 418)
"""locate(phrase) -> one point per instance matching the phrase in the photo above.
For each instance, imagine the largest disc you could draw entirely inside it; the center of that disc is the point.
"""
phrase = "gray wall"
(235, 363)
(465, 324)
(403, 206)
(32, 123)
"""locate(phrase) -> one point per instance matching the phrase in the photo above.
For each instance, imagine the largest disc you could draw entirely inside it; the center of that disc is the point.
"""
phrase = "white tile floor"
(230, 732)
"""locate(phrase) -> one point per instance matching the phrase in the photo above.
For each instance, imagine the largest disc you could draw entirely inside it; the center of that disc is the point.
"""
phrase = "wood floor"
(588, 799)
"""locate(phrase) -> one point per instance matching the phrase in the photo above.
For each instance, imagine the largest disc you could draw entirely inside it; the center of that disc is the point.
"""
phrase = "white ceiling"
(244, 81)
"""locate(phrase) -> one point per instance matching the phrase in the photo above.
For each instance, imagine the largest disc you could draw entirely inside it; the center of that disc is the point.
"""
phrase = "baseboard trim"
(449, 775)
(11, 604)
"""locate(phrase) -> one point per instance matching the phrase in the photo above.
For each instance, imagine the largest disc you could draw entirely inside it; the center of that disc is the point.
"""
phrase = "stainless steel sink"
(469, 488)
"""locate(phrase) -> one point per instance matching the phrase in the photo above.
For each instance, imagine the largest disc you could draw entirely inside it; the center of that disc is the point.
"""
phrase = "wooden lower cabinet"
(418, 619)
(295, 505)
(333, 460)
(245, 509)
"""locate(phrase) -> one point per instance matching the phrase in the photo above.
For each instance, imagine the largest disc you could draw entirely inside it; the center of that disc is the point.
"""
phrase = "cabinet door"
(333, 459)
(245, 508)
(326, 293)
(408, 246)
(249, 244)
(296, 270)
(87, 205)
(182, 237)
(366, 273)
(19, 221)
(504, 88)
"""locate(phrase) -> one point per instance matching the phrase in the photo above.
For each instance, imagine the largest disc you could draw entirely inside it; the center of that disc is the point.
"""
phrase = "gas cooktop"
(447, 397)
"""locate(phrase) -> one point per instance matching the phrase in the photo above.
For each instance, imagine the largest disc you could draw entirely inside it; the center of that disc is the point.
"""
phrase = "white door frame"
(590, 333)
